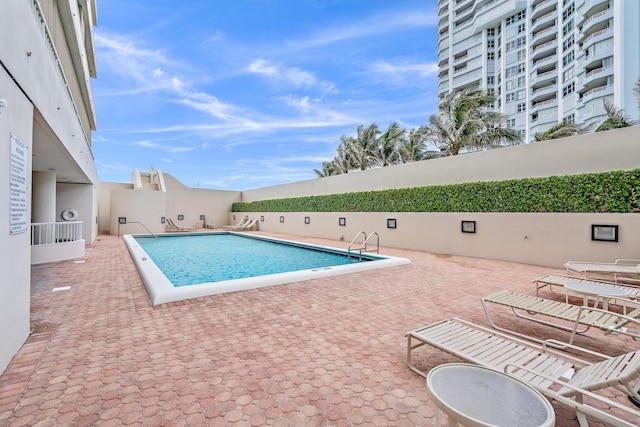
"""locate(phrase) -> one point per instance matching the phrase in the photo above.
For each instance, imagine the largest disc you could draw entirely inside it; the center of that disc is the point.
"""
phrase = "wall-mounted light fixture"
(3, 103)
(342, 222)
(307, 220)
(468, 226)
(162, 220)
(261, 218)
(234, 217)
(281, 219)
(202, 217)
(122, 220)
(180, 217)
(605, 233)
(391, 223)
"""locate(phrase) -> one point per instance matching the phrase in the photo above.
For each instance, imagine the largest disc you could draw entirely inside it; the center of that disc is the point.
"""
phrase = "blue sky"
(245, 94)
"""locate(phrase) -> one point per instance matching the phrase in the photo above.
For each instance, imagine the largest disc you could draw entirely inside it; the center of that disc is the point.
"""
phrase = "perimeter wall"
(548, 239)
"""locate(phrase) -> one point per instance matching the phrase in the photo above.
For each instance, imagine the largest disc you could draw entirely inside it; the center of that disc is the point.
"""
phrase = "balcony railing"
(52, 233)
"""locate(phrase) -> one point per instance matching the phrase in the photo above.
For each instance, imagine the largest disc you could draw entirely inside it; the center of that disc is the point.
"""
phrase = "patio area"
(325, 352)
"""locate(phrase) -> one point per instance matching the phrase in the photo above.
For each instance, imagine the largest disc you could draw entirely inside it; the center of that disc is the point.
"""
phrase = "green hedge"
(614, 192)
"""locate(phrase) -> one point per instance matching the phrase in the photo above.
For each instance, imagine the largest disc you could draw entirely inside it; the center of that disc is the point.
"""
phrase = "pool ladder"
(363, 246)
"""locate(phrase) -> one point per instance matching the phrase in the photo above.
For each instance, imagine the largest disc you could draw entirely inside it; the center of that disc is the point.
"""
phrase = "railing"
(363, 246)
(51, 233)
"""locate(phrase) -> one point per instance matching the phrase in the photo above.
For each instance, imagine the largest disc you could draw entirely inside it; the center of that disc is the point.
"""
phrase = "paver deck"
(322, 352)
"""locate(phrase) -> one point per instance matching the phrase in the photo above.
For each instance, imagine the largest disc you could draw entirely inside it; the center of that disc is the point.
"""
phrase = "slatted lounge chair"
(621, 269)
(557, 374)
(173, 227)
(552, 280)
(579, 316)
(251, 225)
(243, 222)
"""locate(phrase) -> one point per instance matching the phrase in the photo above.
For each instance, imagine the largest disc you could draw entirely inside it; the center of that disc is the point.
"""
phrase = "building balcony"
(595, 78)
(541, 76)
(539, 8)
(587, 40)
(596, 92)
(590, 7)
(544, 35)
(545, 21)
(544, 49)
(596, 19)
(552, 101)
(544, 60)
(491, 14)
(544, 93)
(444, 41)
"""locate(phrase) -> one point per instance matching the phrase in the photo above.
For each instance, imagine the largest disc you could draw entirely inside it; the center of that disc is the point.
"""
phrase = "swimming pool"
(196, 264)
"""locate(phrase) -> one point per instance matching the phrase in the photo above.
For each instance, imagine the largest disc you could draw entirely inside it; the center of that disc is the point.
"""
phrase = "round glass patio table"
(596, 291)
(475, 396)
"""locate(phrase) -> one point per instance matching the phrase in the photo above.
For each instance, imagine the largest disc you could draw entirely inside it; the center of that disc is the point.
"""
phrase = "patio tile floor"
(323, 352)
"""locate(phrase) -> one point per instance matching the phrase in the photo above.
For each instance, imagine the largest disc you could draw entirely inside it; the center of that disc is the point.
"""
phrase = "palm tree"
(413, 147)
(388, 152)
(328, 169)
(615, 118)
(362, 149)
(636, 92)
(464, 120)
(342, 161)
(562, 129)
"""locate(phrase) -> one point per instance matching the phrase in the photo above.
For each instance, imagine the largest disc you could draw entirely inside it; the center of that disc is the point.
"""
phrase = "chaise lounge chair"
(626, 269)
(242, 222)
(251, 225)
(557, 374)
(173, 227)
(584, 316)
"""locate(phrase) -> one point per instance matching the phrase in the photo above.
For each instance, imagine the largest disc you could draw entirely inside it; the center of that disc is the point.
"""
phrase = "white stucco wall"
(81, 198)
(548, 239)
(596, 152)
(15, 255)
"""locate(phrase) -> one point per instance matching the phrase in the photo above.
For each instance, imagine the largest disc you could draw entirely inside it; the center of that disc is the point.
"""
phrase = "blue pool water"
(193, 259)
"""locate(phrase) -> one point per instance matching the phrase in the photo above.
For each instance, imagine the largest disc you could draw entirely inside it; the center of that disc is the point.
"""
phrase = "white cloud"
(167, 148)
(401, 71)
(292, 76)
(375, 25)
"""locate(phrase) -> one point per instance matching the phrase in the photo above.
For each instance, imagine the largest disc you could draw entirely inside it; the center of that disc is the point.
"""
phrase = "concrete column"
(43, 197)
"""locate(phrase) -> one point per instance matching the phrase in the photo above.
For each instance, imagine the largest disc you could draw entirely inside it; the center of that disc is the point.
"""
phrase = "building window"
(515, 18)
(522, 107)
(568, 42)
(568, 12)
(491, 44)
(521, 81)
(511, 123)
(521, 28)
(511, 84)
(511, 97)
(567, 28)
(522, 133)
(571, 118)
(522, 54)
(516, 69)
(568, 89)
(491, 56)
(568, 58)
(491, 31)
(521, 94)
(491, 80)
(568, 75)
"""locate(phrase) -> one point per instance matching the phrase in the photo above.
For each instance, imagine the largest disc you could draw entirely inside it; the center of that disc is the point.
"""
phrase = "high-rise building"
(544, 60)
(48, 178)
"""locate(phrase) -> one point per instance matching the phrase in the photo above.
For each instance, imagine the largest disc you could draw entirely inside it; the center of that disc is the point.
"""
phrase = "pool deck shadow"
(328, 351)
